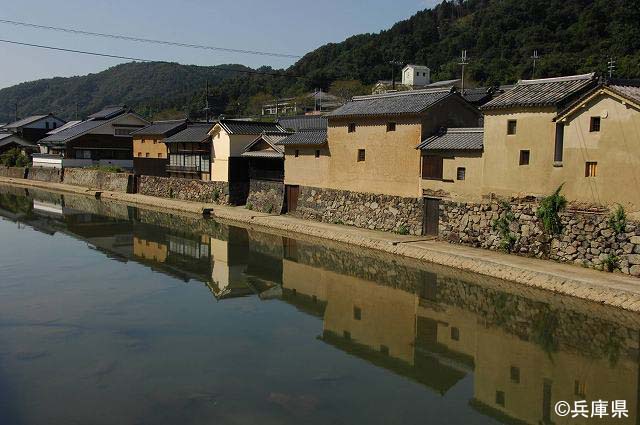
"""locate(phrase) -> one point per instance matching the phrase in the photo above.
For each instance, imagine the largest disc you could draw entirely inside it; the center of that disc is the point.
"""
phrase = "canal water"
(115, 315)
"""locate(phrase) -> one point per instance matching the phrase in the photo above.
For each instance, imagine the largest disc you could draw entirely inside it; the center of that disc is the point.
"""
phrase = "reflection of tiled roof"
(248, 127)
(303, 122)
(407, 102)
(162, 128)
(305, 138)
(455, 139)
(194, 133)
(542, 92)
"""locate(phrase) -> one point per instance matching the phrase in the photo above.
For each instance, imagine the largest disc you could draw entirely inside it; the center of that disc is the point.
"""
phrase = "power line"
(107, 55)
(148, 40)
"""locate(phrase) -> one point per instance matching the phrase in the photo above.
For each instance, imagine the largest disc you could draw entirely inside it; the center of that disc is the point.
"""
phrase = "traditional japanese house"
(190, 152)
(266, 157)
(151, 156)
(33, 128)
(10, 141)
(104, 138)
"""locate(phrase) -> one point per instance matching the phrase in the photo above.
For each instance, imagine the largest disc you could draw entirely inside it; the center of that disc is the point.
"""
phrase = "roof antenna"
(611, 65)
(535, 58)
(463, 61)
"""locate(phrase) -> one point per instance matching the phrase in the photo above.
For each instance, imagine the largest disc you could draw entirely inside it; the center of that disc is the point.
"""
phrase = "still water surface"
(116, 315)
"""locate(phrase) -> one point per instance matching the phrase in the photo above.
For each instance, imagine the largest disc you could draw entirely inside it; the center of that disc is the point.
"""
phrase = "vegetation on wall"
(502, 225)
(572, 36)
(14, 158)
(618, 220)
(549, 212)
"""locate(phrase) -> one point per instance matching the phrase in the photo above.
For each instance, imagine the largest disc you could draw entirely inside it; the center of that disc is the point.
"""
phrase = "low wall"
(114, 182)
(185, 189)
(586, 239)
(53, 175)
(266, 196)
(13, 172)
(364, 210)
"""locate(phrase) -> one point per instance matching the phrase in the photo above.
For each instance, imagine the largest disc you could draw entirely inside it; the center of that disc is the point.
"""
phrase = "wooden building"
(190, 152)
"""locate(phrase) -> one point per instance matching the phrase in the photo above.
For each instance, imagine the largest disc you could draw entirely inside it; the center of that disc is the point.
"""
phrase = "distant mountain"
(571, 36)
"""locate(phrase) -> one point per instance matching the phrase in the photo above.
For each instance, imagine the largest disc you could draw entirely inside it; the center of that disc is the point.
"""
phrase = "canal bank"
(616, 290)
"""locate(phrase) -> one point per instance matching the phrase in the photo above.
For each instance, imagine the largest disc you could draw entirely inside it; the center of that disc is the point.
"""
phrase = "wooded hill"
(571, 36)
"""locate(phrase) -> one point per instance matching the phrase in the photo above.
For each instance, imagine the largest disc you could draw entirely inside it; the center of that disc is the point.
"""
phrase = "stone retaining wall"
(94, 179)
(13, 172)
(185, 189)
(53, 175)
(364, 210)
(266, 196)
(586, 239)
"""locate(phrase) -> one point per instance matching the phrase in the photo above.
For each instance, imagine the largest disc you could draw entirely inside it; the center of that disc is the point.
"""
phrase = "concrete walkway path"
(606, 288)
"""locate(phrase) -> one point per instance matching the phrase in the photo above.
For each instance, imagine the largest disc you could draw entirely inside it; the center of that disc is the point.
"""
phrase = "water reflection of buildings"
(523, 349)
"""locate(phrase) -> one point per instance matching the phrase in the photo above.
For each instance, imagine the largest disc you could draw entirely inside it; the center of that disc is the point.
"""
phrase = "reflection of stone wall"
(196, 225)
(185, 189)
(42, 174)
(94, 206)
(365, 210)
(587, 239)
(114, 182)
(13, 172)
(266, 196)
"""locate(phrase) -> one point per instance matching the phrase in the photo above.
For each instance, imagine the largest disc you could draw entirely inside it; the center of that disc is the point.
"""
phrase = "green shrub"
(216, 195)
(618, 220)
(549, 211)
(269, 209)
(501, 224)
(14, 158)
(403, 230)
(610, 263)
(249, 206)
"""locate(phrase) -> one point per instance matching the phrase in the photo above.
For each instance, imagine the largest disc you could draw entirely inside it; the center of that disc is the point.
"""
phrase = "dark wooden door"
(292, 198)
(431, 217)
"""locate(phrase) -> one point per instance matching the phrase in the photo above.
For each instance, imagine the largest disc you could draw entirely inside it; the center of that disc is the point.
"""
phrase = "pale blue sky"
(283, 26)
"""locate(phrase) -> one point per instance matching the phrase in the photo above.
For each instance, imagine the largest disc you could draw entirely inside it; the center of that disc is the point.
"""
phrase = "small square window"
(594, 126)
(317, 153)
(524, 157)
(352, 127)
(579, 389)
(391, 126)
(500, 398)
(455, 334)
(515, 374)
(142, 141)
(591, 169)
(159, 155)
(139, 154)
(461, 173)
(512, 126)
(384, 350)
(297, 153)
(361, 155)
(357, 313)
(146, 155)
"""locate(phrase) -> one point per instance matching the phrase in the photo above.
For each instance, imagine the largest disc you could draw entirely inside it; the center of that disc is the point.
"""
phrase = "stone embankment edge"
(624, 293)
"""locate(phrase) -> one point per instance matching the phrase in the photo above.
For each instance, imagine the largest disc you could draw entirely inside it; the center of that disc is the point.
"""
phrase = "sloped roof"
(629, 89)
(248, 127)
(271, 139)
(25, 121)
(194, 133)
(109, 112)
(477, 94)
(455, 139)
(407, 102)
(543, 92)
(305, 138)
(162, 128)
(63, 127)
(9, 138)
(303, 122)
(71, 132)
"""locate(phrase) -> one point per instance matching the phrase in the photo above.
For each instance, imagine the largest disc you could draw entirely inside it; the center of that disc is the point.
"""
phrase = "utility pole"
(535, 58)
(463, 62)
(206, 103)
(611, 65)
(393, 64)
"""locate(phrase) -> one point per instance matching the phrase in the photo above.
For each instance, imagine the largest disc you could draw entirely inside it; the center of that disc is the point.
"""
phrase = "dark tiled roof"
(194, 133)
(629, 89)
(9, 138)
(477, 94)
(70, 133)
(407, 102)
(455, 139)
(25, 121)
(109, 112)
(304, 122)
(305, 138)
(248, 127)
(271, 139)
(63, 127)
(162, 128)
(543, 92)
